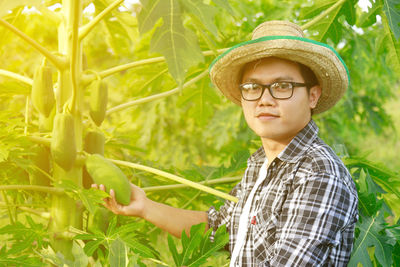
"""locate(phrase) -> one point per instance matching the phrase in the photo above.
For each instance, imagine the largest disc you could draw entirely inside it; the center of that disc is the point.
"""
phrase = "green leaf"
(118, 253)
(393, 45)
(172, 248)
(368, 202)
(392, 11)
(369, 18)
(312, 11)
(371, 235)
(79, 255)
(198, 246)
(91, 198)
(205, 13)
(225, 5)
(178, 45)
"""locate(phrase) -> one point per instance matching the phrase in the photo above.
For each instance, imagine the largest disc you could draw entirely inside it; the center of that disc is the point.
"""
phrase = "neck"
(272, 148)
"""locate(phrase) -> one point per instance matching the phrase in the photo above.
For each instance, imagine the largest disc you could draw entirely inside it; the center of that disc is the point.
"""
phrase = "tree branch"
(58, 61)
(176, 179)
(84, 30)
(16, 76)
(157, 96)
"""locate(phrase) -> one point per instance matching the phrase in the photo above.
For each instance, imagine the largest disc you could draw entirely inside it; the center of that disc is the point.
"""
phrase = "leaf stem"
(88, 78)
(58, 61)
(178, 186)
(156, 96)
(40, 140)
(176, 179)
(16, 76)
(43, 214)
(46, 189)
(84, 30)
(321, 16)
(12, 221)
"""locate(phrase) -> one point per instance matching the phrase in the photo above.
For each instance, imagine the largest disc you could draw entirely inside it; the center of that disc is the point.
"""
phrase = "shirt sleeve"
(313, 218)
(223, 216)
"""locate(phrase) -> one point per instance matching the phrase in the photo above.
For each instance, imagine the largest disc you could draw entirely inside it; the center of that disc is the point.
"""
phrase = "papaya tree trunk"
(65, 211)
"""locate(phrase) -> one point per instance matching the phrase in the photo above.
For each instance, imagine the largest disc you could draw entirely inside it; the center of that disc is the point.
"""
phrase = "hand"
(135, 208)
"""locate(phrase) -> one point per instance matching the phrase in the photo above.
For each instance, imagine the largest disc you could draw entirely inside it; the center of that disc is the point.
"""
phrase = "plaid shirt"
(305, 209)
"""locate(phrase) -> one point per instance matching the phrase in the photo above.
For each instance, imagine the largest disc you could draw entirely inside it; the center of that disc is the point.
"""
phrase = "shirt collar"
(300, 143)
(295, 149)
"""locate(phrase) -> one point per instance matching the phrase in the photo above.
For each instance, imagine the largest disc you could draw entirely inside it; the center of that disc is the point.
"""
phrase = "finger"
(95, 186)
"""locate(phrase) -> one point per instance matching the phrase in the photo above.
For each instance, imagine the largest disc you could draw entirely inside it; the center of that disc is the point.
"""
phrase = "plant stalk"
(176, 179)
(156, 96)
(178, 186)
(46, 189)
(16, 76)
(105, 73)
(84, 30)
(59, 62)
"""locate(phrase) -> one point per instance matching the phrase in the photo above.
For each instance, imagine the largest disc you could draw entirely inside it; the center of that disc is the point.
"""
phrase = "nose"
(267, 99)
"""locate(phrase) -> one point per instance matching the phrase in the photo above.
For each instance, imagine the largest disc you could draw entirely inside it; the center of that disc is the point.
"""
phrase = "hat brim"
(322, 59)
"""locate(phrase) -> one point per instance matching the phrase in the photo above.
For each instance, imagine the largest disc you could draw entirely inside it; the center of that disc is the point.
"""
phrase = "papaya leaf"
(369, 18)
(393, 45)
(118, 253)
(367, 196)
(178, 45)
(79, 255)
(372, 235)
(386, 178)
(392, 11)
(312, 11)
(172, 249)
(225, 5)
(205, 13)
(91, 198)
(199, 246)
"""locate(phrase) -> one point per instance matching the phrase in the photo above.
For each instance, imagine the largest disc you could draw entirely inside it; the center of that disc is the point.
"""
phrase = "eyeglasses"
(278, 90)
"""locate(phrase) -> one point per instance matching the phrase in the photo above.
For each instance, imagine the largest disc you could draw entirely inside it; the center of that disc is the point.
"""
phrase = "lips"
(265, 116)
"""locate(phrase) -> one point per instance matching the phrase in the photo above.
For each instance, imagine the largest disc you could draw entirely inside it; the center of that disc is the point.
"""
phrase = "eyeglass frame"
(264, 86)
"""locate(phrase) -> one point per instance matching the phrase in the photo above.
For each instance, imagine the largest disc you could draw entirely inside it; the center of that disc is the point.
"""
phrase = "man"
(297, 202)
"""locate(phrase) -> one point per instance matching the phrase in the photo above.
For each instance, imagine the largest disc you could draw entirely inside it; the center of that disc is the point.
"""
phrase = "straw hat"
(284, 40)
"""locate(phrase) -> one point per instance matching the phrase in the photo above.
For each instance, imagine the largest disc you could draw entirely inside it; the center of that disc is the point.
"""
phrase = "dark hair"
(308, 75)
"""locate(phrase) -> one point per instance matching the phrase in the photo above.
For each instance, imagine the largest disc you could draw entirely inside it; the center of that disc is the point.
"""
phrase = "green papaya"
(105, 172)
(41, 159)
(63, 144)
(42, 90)
(98, 101)
(93, 144)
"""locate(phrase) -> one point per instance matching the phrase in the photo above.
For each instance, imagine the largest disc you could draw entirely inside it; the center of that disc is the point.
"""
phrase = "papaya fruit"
(93, 144)
(42, 93)
(105, 172)
(63, 144)
(98, 101)
(41, 159)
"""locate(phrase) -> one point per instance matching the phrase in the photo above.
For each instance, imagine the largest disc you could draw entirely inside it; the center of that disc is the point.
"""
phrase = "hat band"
(282, 37)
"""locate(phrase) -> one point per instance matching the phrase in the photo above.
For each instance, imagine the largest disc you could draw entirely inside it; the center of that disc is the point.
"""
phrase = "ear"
(315, 93)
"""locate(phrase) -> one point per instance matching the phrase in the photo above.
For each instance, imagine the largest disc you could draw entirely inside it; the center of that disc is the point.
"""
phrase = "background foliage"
(195, 132)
